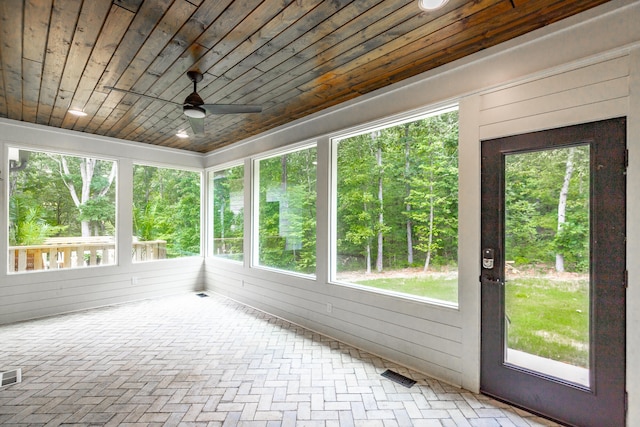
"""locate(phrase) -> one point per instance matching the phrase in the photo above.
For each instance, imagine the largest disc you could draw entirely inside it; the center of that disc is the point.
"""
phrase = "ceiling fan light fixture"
(78, 113)
(194, 111)
(182, 134)
(428, 5)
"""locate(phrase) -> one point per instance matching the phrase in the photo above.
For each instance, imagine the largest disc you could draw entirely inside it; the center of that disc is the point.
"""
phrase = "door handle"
(491, 281)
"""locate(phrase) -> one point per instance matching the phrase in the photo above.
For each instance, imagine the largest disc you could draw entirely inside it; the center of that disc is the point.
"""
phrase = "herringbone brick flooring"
(196, 361)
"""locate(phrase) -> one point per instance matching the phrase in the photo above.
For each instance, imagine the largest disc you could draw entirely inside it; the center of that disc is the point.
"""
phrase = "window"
(287, 211)
(396, 208)
(166, 213)
(62, 211)
(227, 196)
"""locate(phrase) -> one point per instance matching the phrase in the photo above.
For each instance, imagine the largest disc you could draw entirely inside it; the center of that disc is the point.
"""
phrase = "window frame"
(158, 165)
(69, 153)
(210, 208)
(334, 140)
(254, 250)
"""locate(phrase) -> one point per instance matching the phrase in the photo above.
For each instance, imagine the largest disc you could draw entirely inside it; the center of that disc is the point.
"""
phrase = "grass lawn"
(548, 317)
(435, 287)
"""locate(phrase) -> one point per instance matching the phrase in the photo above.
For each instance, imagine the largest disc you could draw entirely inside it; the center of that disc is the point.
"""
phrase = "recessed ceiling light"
(78, 113)
(431, 4)
(182, 134)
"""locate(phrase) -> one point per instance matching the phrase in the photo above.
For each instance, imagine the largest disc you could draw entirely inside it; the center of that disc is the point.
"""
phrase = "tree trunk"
(379, 256)
(562, 204)
(407, 173)
(368, 258)
(87, 168)
(430, 239)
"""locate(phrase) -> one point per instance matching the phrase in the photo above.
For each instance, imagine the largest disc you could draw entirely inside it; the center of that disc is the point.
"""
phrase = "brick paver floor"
(194, 361)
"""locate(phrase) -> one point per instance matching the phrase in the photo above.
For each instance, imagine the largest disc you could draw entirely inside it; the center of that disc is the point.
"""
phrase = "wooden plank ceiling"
(293, 57)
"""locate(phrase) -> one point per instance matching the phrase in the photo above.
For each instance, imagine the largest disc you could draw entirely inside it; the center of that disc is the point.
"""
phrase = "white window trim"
(335, 139)
(254, 251)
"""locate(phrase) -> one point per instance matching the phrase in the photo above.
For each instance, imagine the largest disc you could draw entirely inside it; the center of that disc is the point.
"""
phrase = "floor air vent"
(202, 295)
(10, 377)
(398, 378)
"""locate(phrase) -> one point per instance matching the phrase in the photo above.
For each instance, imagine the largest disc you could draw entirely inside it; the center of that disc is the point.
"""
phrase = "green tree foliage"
(419, 171)
(533, 185)
(228, 212)
(287, 211)
(166, 206)
(40, 199)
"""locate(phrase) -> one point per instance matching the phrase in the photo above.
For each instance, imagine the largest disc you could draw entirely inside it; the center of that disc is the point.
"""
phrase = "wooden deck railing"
(72, 252)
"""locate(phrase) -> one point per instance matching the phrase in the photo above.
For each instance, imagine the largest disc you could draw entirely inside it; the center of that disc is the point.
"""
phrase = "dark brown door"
(553, 272)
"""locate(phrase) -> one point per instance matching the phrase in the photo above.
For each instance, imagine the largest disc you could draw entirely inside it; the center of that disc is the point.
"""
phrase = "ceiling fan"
(194, 107)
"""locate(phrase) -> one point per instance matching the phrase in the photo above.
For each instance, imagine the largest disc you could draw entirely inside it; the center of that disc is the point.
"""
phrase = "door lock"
(487, 258)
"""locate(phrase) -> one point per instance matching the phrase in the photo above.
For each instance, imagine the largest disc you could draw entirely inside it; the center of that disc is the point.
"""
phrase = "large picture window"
(62, 211)
(287, 211)
(227, 211)
(396, 208)
(166, 213)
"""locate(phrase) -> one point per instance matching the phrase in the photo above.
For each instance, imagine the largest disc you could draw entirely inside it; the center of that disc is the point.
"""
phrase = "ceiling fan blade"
(197, 124)
(231, 108)
(153, 98)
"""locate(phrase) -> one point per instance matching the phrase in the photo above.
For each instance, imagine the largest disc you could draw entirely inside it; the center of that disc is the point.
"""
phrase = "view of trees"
(227, 199)
(59, 195)
(287, 211)
(397, 198)
(166, 206)
(547, 208)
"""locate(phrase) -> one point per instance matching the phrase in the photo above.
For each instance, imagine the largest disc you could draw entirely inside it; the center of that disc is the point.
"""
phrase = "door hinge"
(626, 158)
(626, 279)
(626, 402)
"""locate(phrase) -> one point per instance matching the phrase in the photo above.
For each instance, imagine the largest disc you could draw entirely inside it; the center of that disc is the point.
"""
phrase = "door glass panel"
(547, 303)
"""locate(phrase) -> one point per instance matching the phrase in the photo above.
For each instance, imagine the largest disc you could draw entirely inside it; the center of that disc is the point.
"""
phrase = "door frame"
(536, 392)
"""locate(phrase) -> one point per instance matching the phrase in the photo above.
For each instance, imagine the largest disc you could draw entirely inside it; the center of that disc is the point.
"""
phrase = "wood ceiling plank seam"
(440, 28)
(259, 17)
(11, 31)
(36, 29)
(92, 18)
(456, 46)
(131, 5)
(164, 31)
(344, 24)
(64, 16)
(3, 97)
(467, 46)
(37, 15)
(32, 76)
(303, 25)
(149, 120)
(220, 27)
(267, 33)
(137, 33)
(229, 19)
(300, 63)
(252, 24)
(113, 31)
(150, 125)
(301, 78)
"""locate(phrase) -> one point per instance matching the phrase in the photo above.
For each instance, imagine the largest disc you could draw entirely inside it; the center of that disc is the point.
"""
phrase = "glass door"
(553, 272)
